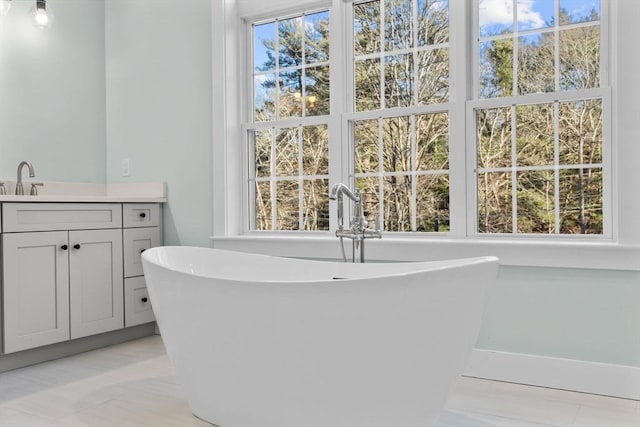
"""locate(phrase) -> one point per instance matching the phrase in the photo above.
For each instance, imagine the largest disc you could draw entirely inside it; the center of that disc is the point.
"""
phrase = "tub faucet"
(19, 187)
(357, 231)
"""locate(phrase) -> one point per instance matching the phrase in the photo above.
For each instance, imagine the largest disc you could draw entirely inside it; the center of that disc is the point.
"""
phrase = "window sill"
(604, 255)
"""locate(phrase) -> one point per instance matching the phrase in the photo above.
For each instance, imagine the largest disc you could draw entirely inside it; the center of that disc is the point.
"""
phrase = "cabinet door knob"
(64, 247)
(76, 246)
(143, 215)
(144, 299)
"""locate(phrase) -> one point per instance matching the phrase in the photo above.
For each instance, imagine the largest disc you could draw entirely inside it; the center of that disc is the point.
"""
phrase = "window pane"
(366, 146)
(264, 57)
(316, 28)
(536, 71)
(494, 137)
(572, 11)
(581, 201)
(396, 144)
(398, 76)
(534, 14)
(366, 27)
(535, 135)
(496, 68)
(580, 58)
(290, 42)
(397, 203)
(287, 197)
(315, 146)
(495, 18)
(580, 132)
(433, 76)
(316, 204)
(287, 152)
(432, 203)
(397, 25)
(264, 97)
(432, 142)
(263, 206)
(290, 104)
(494, 203)
(262, 152)
(433, 22)
(536, 202)
(317, 91)
(370, 199)
(367, 84)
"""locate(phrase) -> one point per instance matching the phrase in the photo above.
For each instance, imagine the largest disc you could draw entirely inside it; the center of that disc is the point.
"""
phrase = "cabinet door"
(36, 289)
(95, 281)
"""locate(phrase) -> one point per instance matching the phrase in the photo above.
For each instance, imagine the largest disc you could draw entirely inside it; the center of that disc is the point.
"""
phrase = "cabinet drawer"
(141, 215)
(136, 241)
(137, 307)
(60, 216)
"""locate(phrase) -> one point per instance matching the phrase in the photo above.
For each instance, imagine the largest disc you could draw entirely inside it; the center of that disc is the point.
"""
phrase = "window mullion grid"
(556, 165)
(414, 51)
(514, 41)
(380, 175)
(303, 67)
(556, 47)
(272, 181)
(301, 217)
(514, 173)
(414, 177)
(382, 57)
(276, 45)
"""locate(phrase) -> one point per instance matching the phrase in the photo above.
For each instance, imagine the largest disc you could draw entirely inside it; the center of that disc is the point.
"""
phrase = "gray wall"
(158, 106)
(52, 92)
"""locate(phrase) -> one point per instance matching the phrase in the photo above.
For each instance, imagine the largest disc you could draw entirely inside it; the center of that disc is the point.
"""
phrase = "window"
(289, 179)
(532, 127)
(400, 63)
(539, 118)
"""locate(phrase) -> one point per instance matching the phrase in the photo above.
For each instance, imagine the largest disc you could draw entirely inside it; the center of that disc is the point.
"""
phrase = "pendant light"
(42, 14)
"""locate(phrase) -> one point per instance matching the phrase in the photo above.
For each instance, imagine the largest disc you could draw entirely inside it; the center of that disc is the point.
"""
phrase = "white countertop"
(69, 192)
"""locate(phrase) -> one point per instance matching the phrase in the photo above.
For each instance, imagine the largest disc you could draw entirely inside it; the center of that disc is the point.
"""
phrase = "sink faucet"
(19, 188)
(357, 231)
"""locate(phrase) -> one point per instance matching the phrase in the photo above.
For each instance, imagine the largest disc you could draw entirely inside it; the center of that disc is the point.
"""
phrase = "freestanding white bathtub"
(260, 341)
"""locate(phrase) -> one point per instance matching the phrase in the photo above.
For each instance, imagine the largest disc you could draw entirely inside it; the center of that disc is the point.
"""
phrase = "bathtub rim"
(149, 256)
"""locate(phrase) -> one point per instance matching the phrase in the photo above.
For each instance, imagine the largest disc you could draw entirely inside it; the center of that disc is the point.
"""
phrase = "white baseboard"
(566, 374)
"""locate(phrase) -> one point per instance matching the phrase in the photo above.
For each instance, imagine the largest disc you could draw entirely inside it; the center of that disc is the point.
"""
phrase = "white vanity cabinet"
(63, 271)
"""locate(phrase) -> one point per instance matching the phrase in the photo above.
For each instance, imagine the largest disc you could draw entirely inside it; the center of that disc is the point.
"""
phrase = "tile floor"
(133, 385)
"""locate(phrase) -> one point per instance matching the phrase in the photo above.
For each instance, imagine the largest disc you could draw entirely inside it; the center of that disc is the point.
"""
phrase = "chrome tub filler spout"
(357, 231)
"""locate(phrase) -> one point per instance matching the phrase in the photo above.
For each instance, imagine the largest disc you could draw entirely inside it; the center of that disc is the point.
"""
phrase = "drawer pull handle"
(76, 246)
(144, 299)
(64, 247)
(143, 215)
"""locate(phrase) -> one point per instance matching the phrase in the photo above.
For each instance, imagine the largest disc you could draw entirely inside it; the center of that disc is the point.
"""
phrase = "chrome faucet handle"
(372, 234)
(34, 188)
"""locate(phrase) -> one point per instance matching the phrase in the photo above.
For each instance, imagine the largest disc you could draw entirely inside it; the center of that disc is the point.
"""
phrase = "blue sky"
(497, 15)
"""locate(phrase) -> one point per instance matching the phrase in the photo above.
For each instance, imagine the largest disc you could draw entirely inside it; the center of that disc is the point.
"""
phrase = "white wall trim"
(565, 374)
(531, 253)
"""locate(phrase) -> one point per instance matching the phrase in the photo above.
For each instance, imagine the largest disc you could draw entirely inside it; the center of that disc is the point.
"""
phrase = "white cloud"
(500, 12)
